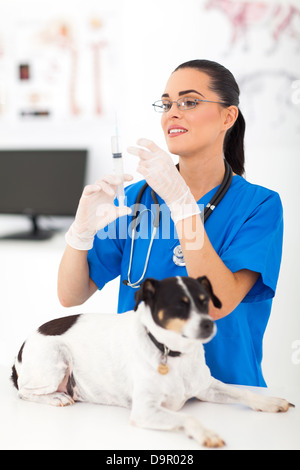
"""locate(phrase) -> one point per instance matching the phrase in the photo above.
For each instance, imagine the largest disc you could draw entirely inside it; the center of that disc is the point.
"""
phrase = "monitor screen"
(41, 182)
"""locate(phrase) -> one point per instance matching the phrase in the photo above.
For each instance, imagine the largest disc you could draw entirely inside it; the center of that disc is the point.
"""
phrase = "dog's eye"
(203, 299)
(185, 300)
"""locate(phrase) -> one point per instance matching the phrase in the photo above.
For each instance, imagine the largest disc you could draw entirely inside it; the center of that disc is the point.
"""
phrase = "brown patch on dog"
(176, 324)
(161, 315)
(59, 326)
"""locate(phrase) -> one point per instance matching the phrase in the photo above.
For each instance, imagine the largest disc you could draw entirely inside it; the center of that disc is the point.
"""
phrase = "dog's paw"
(212, 439)
(272, 405)
(54, 399)
(60, 400)
(203, 436)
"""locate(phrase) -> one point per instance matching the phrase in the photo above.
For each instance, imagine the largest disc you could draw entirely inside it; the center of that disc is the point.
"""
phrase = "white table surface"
(31, 426)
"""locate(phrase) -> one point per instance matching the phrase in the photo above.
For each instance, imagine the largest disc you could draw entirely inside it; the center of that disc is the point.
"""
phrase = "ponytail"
(234, 145)
(224, 84)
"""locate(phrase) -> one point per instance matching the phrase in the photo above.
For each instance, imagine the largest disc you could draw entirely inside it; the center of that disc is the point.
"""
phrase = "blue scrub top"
(245, 229)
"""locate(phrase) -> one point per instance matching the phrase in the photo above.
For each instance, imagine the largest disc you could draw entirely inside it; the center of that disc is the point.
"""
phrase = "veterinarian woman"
(239, 246)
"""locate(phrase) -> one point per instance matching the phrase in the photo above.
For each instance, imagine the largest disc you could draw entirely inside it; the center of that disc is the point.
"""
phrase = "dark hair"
(224, 84)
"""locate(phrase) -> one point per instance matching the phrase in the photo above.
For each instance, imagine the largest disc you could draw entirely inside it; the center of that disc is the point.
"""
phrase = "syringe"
(118, 167)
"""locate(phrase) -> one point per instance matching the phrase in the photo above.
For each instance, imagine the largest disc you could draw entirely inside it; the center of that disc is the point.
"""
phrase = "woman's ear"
(230, 116)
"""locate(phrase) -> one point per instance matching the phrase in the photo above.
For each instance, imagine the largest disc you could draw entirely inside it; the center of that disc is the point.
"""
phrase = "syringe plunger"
(118, 166)
(116, 145)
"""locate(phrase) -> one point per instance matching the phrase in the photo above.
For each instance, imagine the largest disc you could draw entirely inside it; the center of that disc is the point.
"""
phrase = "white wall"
(145, 41)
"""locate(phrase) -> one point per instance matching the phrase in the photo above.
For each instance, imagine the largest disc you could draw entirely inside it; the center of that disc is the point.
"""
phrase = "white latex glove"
(95, 211)
(161, 174)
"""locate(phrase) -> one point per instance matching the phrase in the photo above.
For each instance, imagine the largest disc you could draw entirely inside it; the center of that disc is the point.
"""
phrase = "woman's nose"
(174, 111)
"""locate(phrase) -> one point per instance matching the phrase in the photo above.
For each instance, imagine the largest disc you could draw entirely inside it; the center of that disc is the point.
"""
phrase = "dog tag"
(163, 369)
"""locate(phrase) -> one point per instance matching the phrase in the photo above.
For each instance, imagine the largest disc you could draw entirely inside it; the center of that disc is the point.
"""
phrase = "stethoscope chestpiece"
(178, 257)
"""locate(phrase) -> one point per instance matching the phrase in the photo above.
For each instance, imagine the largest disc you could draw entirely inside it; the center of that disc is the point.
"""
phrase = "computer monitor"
(41, 182)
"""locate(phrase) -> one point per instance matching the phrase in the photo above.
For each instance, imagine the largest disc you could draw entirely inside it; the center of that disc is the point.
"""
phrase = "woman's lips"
(174, 131)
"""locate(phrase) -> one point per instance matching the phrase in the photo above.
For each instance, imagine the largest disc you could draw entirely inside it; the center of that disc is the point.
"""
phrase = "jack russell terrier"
(150, 359)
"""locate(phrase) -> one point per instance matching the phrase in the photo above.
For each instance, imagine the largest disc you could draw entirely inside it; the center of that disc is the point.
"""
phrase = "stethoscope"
(178, 258)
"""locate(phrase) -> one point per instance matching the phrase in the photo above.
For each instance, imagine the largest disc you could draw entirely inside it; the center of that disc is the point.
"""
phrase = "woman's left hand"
(161, 174)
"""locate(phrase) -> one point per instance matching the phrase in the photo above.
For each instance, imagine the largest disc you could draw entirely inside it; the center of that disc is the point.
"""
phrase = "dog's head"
(180, 304)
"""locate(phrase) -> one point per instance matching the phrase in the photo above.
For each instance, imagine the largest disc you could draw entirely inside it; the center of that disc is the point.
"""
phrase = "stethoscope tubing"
(225, 185)
(136, 213)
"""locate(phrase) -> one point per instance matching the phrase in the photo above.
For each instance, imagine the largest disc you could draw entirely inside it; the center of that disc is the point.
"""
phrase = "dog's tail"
(14, 377)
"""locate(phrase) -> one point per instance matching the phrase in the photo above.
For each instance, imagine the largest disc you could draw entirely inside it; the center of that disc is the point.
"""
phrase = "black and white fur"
(112, 359)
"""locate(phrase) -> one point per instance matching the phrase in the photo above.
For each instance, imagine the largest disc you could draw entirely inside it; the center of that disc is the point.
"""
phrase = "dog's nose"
(206, 328)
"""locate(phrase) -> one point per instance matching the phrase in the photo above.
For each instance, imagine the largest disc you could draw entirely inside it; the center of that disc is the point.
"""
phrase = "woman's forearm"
(74, 283)
(202, 260)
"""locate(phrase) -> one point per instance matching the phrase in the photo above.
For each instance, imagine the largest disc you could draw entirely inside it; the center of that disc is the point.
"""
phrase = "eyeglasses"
(163, 106)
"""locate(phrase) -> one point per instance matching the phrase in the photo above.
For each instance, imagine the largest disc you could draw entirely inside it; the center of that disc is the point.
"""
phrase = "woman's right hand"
(95, 211)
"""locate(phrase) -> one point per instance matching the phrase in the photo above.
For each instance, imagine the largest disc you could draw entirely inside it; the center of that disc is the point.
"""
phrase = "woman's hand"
(161, 174)
(96, 210)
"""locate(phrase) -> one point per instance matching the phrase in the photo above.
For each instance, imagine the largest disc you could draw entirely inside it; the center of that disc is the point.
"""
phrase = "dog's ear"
(146, 292)
(208, 287)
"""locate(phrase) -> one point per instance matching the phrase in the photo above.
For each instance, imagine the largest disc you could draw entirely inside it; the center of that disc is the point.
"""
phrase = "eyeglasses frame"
(176, 101)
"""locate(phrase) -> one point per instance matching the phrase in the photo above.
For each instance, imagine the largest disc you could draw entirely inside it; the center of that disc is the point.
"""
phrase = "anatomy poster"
(56, 65)
(61, 59)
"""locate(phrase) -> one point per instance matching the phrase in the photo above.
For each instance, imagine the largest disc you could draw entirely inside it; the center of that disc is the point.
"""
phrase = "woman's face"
(202, 127)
